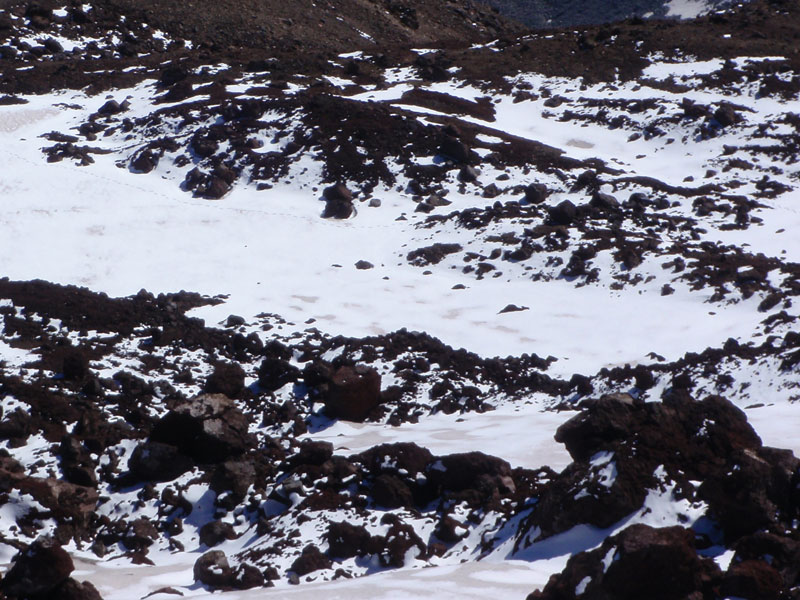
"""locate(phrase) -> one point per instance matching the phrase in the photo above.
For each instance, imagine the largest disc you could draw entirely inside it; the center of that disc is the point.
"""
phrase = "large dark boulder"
(214, 533)
(312, 452)
(213, 569)
(470, 470)
(752, 579)
(74, 590)
(563, 213)
(208, 428)
(392, 492)
(346, 540)
(454, 149)
(641, 562)
(274, 373)
(37, 571)
(154, 461)
(234, 476)
(141, 534)
(64, 499)
(623, 448)
(353, 393)
(408, 456)
(75, 366)
(707, 430)
(310, 560)
(76, 462)
(227, 379)
(782, 553)
(338, 202)
(536, 193)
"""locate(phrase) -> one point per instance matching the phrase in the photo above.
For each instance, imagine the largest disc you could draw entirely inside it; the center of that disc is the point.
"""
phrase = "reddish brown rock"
(353, 393)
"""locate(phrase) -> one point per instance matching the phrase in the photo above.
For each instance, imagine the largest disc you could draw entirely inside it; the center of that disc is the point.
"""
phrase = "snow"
(452, 582)
(522, 437)
(687, 9)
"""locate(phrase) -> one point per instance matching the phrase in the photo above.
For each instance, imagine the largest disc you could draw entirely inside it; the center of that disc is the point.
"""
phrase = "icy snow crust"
(111, 230)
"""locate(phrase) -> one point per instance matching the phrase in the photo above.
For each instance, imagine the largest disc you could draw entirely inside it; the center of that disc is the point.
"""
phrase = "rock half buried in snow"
(353, 393)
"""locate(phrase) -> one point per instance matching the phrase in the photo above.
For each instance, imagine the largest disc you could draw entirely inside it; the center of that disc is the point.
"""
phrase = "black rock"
(338, 202)
(563, 213)
(154, 461)
(536, 193)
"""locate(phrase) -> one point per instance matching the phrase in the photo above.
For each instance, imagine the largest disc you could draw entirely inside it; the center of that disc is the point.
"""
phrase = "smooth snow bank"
(519, 434)
(687, 9)
(478, 580)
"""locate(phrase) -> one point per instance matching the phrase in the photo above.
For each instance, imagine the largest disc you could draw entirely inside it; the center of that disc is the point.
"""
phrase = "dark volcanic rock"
(313, 452)
(112, 107)
(619, 446)
(431, 255)
(470, 470)
(752, 579)
(658, 564)
(76, 462)
(563, 213)
(144, 161)
(141, 534)
(310, 560)
(274, 373)
(214, 533)
(214, 570)
(536, 193)
(454, 149)
(74, 590)
(64, 499)
(338, 202)
(612, 419)
(726, 115)
(353, 393)
(75, 365)
(346, 540)
(248, 577)
(154, 461)
(227, 378)
(37, 571)
(407, 456)
(392, 492)
(208, 428)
